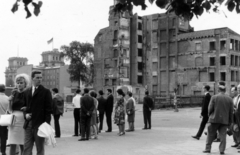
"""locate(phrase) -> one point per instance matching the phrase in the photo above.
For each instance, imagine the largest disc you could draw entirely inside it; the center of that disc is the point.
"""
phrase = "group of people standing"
(32, 104)
(89, 111)
(222, 113)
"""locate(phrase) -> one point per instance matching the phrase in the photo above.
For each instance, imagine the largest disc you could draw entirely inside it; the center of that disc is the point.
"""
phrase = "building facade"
(10, 73)
(161, 52)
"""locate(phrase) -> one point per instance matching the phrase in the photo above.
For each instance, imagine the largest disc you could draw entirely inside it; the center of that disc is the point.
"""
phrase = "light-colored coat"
(220, 109)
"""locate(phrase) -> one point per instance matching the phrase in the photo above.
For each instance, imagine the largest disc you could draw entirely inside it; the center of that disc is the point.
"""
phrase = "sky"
(67, 21)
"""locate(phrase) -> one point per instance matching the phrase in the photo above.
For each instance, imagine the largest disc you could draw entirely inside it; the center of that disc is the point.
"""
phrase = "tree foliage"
(183, 8)
(26, 3)
(78, 54)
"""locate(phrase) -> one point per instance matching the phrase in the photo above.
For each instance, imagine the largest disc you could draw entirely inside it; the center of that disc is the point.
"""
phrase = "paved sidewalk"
(170, 135)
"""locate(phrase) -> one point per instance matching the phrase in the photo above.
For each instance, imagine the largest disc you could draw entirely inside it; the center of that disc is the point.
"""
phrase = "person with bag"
(57, 111)
(87, 107)
(16, 132)
(37, 102)
(119, 117)
(4, 102)
(130, 110)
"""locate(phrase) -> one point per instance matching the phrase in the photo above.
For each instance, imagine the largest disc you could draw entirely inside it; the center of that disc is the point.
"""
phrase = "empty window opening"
(140, 79)
(236, 60)
(212, 45)
(232, 60)
(231, 44)
(211, 77)
(223, 44)
(222, 60)
(114, 82)
(140, 66)
(115, 34)
(232, 76)
(212, 61)
(236, 45)
(223, 76)
(140, 39)
(139, 26)
(115, 53)
(140, 52)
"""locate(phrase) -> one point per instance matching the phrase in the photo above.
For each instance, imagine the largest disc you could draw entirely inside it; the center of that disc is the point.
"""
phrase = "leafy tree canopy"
(183, 8)
(79, 55)
(26, 3)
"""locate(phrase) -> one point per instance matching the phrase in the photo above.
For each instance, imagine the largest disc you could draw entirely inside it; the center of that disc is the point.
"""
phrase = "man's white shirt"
(76, 101)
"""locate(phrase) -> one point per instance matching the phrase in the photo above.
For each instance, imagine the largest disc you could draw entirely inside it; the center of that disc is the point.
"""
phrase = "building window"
(232, 76)
(212, 45)
(106, 82)
(211, 77)
(114, 82)
(223, 76)
(140, 79)
(223, 44)
(140, 66)
(236, 60)
(212, 61)
(174, 22)
(140, 40)
(125, 53)
(115, 53)
(139, 26)
(231, 44)
(222, 60)
(140, 52)
(107, 63)
(236, 45)
(116, 23)
(232, 60)
(115, 34)
(198, 46)
(115, 63)
(154, 89)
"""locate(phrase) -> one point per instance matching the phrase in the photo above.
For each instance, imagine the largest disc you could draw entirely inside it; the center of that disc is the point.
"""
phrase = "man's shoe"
(108, 131)
(217, 140)
(222, 153)
(195, 137)
(144, 128)
(128, 130)
(82, 139)
(235, 145)
(206, 151)
(75, 135)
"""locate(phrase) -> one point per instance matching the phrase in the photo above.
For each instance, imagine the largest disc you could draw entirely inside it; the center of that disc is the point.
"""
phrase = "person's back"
(87, 104)
(101, 104)
(221, 109)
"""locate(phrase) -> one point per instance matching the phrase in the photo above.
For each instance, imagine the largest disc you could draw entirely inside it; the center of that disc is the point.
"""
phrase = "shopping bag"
(7, 120)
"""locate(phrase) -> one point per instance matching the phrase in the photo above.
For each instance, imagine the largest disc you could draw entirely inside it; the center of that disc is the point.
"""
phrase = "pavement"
(170, 135)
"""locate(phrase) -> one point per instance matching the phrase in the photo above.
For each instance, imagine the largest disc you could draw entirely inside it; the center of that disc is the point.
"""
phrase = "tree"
(183, 8)
(77, 53)
(26, 3)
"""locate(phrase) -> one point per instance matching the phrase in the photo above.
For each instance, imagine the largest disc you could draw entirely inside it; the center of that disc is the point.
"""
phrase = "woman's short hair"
(23, 76)
(120, 92)
(93, 94)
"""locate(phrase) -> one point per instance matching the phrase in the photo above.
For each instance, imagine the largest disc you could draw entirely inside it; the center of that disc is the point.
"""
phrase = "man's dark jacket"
(87, 105)
(39, 105)
(205, 104)
(147, 103)
(109, 103)
(101, 104)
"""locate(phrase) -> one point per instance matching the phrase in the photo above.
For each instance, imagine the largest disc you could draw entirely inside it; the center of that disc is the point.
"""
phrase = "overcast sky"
(71, 20)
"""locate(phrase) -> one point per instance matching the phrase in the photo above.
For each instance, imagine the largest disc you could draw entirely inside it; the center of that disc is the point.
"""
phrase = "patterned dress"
(119, 117)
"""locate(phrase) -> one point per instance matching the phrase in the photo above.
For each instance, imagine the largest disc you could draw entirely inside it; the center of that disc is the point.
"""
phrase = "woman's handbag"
(7, 120)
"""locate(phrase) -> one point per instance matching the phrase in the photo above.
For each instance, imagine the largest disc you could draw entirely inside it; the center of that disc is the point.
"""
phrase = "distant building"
(10, 73)
(161, 52)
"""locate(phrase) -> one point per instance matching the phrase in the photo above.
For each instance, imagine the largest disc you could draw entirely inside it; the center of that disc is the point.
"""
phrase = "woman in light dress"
(94, 128)
(16, 132)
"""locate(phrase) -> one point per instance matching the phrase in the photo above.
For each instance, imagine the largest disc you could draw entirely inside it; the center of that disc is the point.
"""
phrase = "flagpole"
(52, 44)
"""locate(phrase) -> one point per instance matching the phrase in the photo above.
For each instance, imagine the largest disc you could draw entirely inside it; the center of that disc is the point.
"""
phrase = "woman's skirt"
(16, 132)
(94, 119)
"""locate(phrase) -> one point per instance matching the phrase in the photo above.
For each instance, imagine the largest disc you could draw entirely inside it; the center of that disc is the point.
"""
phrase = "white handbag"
(7, 120)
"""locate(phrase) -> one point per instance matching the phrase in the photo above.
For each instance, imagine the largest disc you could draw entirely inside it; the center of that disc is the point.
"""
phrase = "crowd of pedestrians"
(32, 105)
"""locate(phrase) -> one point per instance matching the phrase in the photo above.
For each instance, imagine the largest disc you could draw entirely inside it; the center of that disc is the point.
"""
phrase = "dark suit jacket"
(101, 104)
(87, 105)
(147, 103)
(39, 105)
(220, 109)
(109, 103)
(205, 104)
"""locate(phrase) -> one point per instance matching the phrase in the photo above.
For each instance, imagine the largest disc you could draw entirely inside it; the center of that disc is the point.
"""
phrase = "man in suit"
(38, 101)
(101, 108)
(236, 115)
(87, 107)
(57, 110)
(147, 110)
(204, 112)
(4, 103)
(220, 113)
(109, 109)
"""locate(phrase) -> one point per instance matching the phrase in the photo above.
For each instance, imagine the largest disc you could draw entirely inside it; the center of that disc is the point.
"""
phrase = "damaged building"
(161, 52)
